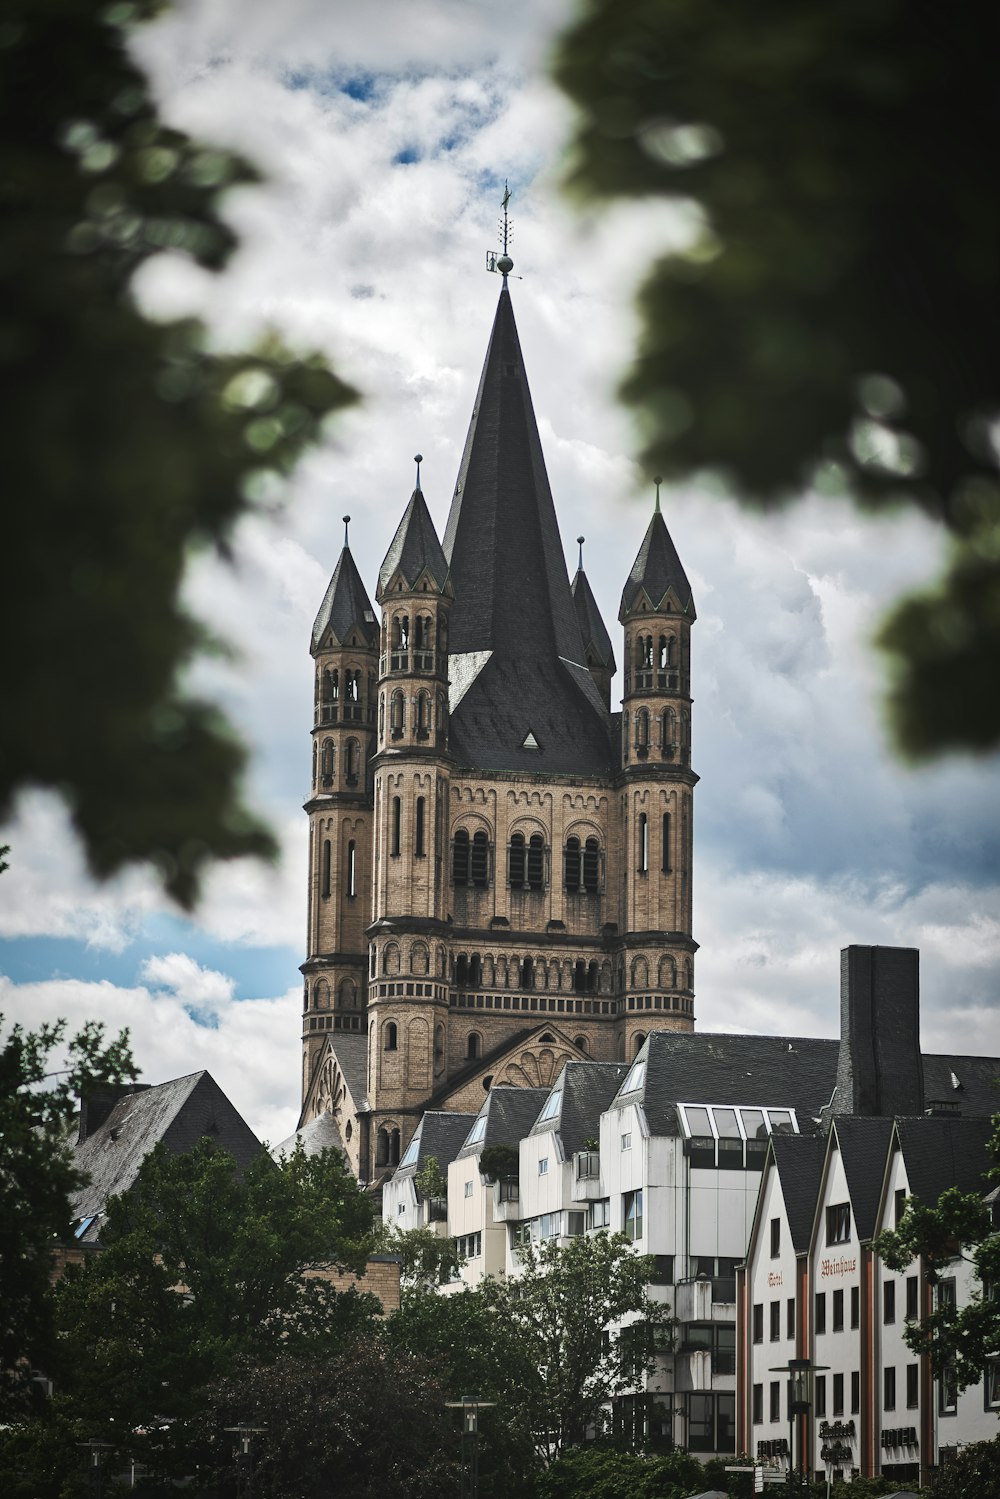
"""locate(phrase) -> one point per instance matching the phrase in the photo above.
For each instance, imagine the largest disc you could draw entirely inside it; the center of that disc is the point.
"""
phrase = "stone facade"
(500, 867)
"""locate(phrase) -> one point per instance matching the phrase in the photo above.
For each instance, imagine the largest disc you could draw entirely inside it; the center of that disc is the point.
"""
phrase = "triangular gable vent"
(530, 742)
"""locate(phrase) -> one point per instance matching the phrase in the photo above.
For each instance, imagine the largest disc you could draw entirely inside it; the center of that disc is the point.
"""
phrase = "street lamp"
(470, 1406)
(244, 1458)
(97, 1451)
(801, 1372)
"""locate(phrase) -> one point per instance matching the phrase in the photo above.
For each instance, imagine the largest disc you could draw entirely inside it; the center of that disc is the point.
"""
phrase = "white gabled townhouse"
(438, 1137)
(480, 1205)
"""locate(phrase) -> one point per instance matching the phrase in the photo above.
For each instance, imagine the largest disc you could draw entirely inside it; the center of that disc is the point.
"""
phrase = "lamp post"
(801, 1372)
(243, 1452)
(95, 1467)
(470, 1406)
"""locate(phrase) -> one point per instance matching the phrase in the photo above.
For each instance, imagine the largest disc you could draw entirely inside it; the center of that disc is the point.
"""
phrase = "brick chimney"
(880, 1071)
(98, 1104)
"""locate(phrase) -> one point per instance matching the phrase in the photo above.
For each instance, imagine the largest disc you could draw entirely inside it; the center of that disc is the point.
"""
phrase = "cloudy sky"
(386, 132)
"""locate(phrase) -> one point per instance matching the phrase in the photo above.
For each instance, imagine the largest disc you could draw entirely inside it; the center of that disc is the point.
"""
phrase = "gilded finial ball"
(505, 265)
(418, 457)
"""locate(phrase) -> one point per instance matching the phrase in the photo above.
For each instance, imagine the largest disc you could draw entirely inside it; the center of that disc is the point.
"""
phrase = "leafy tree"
(558, 1310)
(499, 1161)
(38, 1180)
(203, 1266)
(833, 323)
(129, 444)
(367, 1423)
(601, 1471)
(958, 1225)
(427, 1259)
(430, 1180)
(971, 1473)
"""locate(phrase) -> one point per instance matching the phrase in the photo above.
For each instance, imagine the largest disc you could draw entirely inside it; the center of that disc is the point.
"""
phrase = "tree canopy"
(38, 1180)
(129, 444)
(834, 323)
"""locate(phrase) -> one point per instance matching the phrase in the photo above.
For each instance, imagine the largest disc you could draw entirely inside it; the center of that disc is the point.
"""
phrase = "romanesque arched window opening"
(423, 655)
(353, 686)
(572, 865)
(581, 1042)
(395, 825)
(666, 974)
(423, 715)
(397, 715)
(688, 974)
(475, 971)
(668, 733)
(400, 658)
(516, 862)
(352, 762)
(591, 866)
(592, 976)
(642, 836)
(390, 1036)
(460, 858)
(438, 1043)
(352, 868)
(462, 970)
(527, 973)
(372, 961)
(638, 1041)
(536, 862)
(327, 762)
(419, 831)
(665, 839)
(579, 977)
(442, 718)
(479, 863)
(325, 865)
(473, 1046)
(348, 995)
(642, 733)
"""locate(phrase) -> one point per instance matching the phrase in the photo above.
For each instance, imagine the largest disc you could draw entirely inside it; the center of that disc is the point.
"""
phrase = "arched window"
(666, 972)
(438, 1043)
(581, 1042)
(390, 1036)
(479, 863)
(579, 977)
(536, 862)
(642, 731)
(424, 659)
(321, 995)
(352, 868)
(372, 961)
(472, 1046)
(640, 973)
(400, 659)
(352, 762)
(394, 1147)
(527, 974)
(419, 834)
(397, 715)
(516, 862)
(668, 733)
(382, 1148)
(642, 834)
(420, 959)
(390, 958)
(462, 970)
(327, 762)
(572, 863)
(423, 715)
(685, 739)
(395, 825)
(353, 686)
(475, 971)
(442, 718)
(348, 995)
(638, 1042)
(591, 866)
(324, 878)
(665, 841)
(592, 972)
(331, 685)
(688, 974)
(460, 858)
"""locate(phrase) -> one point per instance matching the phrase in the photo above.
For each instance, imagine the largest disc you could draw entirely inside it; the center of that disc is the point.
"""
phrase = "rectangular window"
(819, 1395)
(397, 818)
(991, 1385)
(419, 838)
(947, 1391)
(775, 1238)
(775, 1400)
(911, 1298)
(775, 1321)
(889, 1301)
(758, 1322)
(600, 1213)
(898, 1207)
(855, 1392)
(352, 868)
(912, 1386)
(838, 1223)
(790, 1318)
(468, 1189)
(838, 1394)
(643, 843)
(758, 1405)
(663, 1270)
(838, 1311)
(888, 1389)
(632, 1204)
(627, 1140)
(543, 1166)
(819, 1319)
(855, 1306)
(666, 843)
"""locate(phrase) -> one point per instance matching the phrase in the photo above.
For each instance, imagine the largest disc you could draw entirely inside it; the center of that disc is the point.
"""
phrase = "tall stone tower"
(505, 883)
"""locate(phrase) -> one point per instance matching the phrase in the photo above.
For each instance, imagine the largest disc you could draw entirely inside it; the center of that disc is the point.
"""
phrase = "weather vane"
(505, 234)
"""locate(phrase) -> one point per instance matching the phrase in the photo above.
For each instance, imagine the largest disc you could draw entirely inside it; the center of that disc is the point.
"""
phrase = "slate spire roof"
(592, 627)
(414, 548)
(656, 570)
(345, 605)
(518, 668)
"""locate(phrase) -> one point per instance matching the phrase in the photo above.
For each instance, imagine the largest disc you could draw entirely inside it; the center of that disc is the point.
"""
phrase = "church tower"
(657, 611)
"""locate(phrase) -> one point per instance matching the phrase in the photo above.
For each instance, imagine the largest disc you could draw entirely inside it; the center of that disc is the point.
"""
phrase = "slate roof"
(978, 1091)
(414, 548)
(593, 630)
(777, 1071)
(179, 1113)
(514, 613)
(510, 1113)
(656, 569)
(586, 1089)
(863, 1146)
(798, 1160)
(345, 605)
(941, 1152)
(321, 1133)
(440, 1135)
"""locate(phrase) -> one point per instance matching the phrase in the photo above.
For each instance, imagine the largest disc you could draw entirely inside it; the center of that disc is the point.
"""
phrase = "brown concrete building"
(499, 865)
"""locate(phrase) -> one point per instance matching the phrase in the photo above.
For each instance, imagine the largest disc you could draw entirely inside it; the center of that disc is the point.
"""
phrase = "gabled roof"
(944, 1152)
(510, 1113)
(593, 631)
(321, 1133)
(798, 1160)
(586, 1089)
(414, 549)
(513, 619)
(345, 606)
(440, 1135)
(792, 1072)
(863, 1145)
(971, 1082)
(178, 1113)
(656, 570)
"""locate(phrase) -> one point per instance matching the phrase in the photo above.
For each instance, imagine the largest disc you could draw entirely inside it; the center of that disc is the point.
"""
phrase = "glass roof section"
(728, 1123)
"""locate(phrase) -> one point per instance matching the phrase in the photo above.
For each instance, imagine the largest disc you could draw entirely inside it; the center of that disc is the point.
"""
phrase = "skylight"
(477, 1131)
(411, 1153)
(636, 1077)
(552, 1106)
(733, 1123)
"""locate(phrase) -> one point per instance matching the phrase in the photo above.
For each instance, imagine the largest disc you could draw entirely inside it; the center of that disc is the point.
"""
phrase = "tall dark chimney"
(98, 1103)
(880, 1072)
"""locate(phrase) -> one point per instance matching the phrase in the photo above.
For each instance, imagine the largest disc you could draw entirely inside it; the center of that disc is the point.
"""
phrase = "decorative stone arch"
(321, 995)
(387, 1144)
(666, 972)
(390, 957)
(473, 1046)
(347, 994)
(420, 959)
(442, 963)
(640, 973)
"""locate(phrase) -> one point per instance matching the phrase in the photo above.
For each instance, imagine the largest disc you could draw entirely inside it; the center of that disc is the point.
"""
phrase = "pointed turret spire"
(415, 546)
(598, 650)
(657, 570)
(345, 605)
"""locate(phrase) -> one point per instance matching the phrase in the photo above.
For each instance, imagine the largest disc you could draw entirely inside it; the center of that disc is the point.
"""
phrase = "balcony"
(705, 1300)
(506, 1200)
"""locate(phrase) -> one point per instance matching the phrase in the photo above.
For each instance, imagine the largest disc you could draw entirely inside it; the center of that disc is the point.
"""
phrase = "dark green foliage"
(128, 444)
(37, 1181)
(958, 1225)
(835, 321)
(604, 1472)
(427, 1259)
(971, 1473)
(499, 1161)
